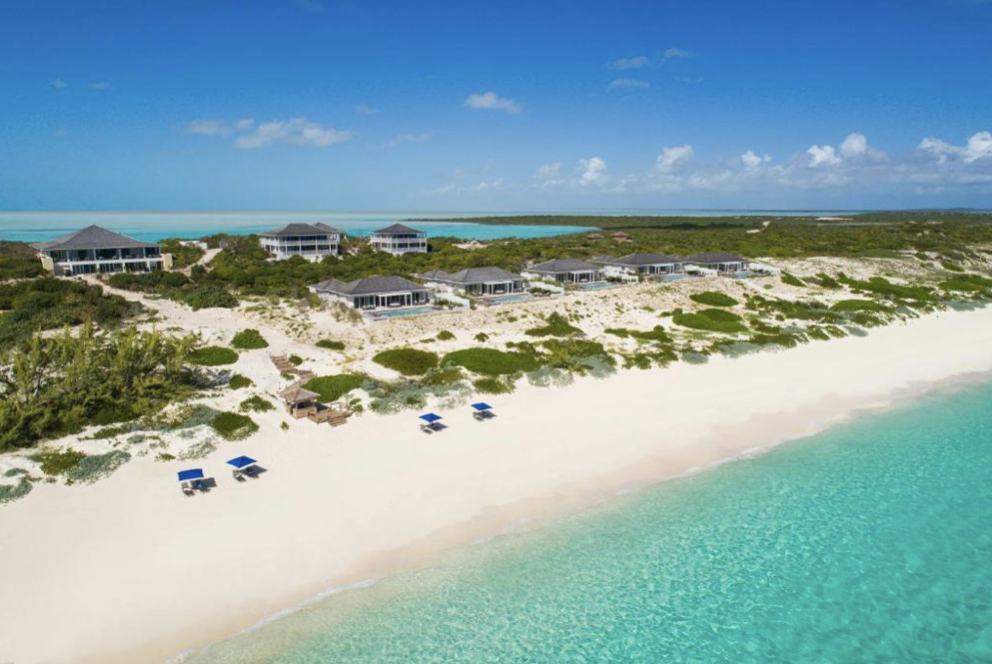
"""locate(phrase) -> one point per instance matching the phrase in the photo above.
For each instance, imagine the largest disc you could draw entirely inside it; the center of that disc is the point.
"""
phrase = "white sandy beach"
(129, 570)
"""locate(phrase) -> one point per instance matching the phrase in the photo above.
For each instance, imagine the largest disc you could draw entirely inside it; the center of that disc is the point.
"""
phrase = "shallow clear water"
(402, 312)
(154, 226)
(871, 542)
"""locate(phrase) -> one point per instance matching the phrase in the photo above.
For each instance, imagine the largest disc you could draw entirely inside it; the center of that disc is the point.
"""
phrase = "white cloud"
(100, 85)
(489, 101)
(629, 84)
(822, 156)
(295, 131)
(854, 145)
(208, 128)
(979, 146)
(244, 124)
(593, 172)
(673, 52)
(751, 160)
(671, 157)
(407, 138)
(58, 84)
(365, 109)
(549, 171)
(635, 62)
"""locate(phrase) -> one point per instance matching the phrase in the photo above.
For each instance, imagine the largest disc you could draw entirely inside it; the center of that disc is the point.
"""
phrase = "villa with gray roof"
(399, 239)
(639, 265)
(309, 241)
(565, 270)
(95, 250)
(373, 292)
(478, 280)
(719, 261)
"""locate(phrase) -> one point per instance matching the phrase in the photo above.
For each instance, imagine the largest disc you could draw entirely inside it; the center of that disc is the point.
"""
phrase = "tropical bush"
(18, 261)
(239, 382)
(445, 335)
(332, 388)
(493, 385)
(233, 426)
(407, 361)
(330, 344)
(858, 305)
(58, 385)
(49, 303)
(791, 280)
(249, 340)
(557, 326)
(490, 362)
(256, 404)
(711, 320)
(212, 356)
(714, 299)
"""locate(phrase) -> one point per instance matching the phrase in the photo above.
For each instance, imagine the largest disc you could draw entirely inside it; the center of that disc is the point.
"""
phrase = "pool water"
(396, 313)
(503, 299)
(596, 285)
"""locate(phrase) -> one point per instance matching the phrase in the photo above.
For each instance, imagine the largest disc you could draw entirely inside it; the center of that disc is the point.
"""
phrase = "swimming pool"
(396, 313)
(596, 285)
(675, 277)
(503, 299)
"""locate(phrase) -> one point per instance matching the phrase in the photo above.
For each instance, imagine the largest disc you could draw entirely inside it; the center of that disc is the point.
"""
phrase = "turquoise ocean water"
(871, 542)
(154, 226)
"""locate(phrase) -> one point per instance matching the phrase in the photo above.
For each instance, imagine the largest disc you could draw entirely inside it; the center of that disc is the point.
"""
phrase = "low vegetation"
(407, 361)
(714, 299)
(256, 404)
(332, 388)
(490, 361)
(239, 382)
(212, 356)
(557, 326)
(711, 320)
(249, 340)
(330, 344)
(233, 426)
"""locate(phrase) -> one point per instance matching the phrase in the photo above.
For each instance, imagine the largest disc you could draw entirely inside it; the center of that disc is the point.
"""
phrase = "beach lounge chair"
(432, 423)
(187, 491)
(482, 411)
(238, 475)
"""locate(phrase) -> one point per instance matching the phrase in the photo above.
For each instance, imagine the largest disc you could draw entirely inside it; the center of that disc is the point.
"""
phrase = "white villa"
(309, 241)
(477, 281)
(95, 250)
(399, 239)
(373, 292)
(717, 261)
(639, 266)
(565, 270)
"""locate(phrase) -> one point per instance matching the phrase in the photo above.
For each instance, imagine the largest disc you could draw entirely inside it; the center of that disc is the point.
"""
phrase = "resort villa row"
(95, 250)
(639, 266)
(373, 292)
(399, 239)
(477, 281)
(565, 270)
(310, 241)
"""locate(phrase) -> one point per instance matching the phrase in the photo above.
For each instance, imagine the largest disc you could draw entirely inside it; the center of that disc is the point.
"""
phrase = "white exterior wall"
(310, 247)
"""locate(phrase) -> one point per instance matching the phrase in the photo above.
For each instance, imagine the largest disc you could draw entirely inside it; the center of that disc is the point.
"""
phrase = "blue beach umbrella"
(242, 461)
(482, 405)
(193, 474)
(430, 418)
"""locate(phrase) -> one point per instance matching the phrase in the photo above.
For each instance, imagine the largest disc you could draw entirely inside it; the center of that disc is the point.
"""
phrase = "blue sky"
(317, 104)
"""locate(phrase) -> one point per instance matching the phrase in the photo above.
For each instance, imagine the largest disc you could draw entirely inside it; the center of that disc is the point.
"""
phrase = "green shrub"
(12, 492)
(711, 320)
(233, 426)
(330, 344)
(490, 362)
(825, 280)
(295, 360)
(95, 467)
(59, 462)
(212, 356)
(557, 326)
(858, 305)
(713, 299)
(209, 297)
(791, 280)
(332, 388)
(445, 335)
(112, 432)
(883, 286)
(442, 377)
(249, 340)
(239, 382)
(493, 385)
(966, 283)
(953, 267)
(407, 361)
(482, 337)
(256, 404)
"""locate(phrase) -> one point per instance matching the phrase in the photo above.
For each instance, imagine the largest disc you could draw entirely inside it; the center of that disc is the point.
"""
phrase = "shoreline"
(410, 497)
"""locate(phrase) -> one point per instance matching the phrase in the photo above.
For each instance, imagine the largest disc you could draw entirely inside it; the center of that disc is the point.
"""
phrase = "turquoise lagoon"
(870, 542)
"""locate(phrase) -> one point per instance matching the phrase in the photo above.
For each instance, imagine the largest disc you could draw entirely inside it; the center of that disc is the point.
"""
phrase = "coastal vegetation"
(18, 261)
(57, 385)
(239, 382)
(711, 320)
(332, 388)
(557, 326)
(47, 303)
(233, 426)
(249, 340)
(714, 299)
(212, 356)
(256, 404)
(330, 344)
(407, 361)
